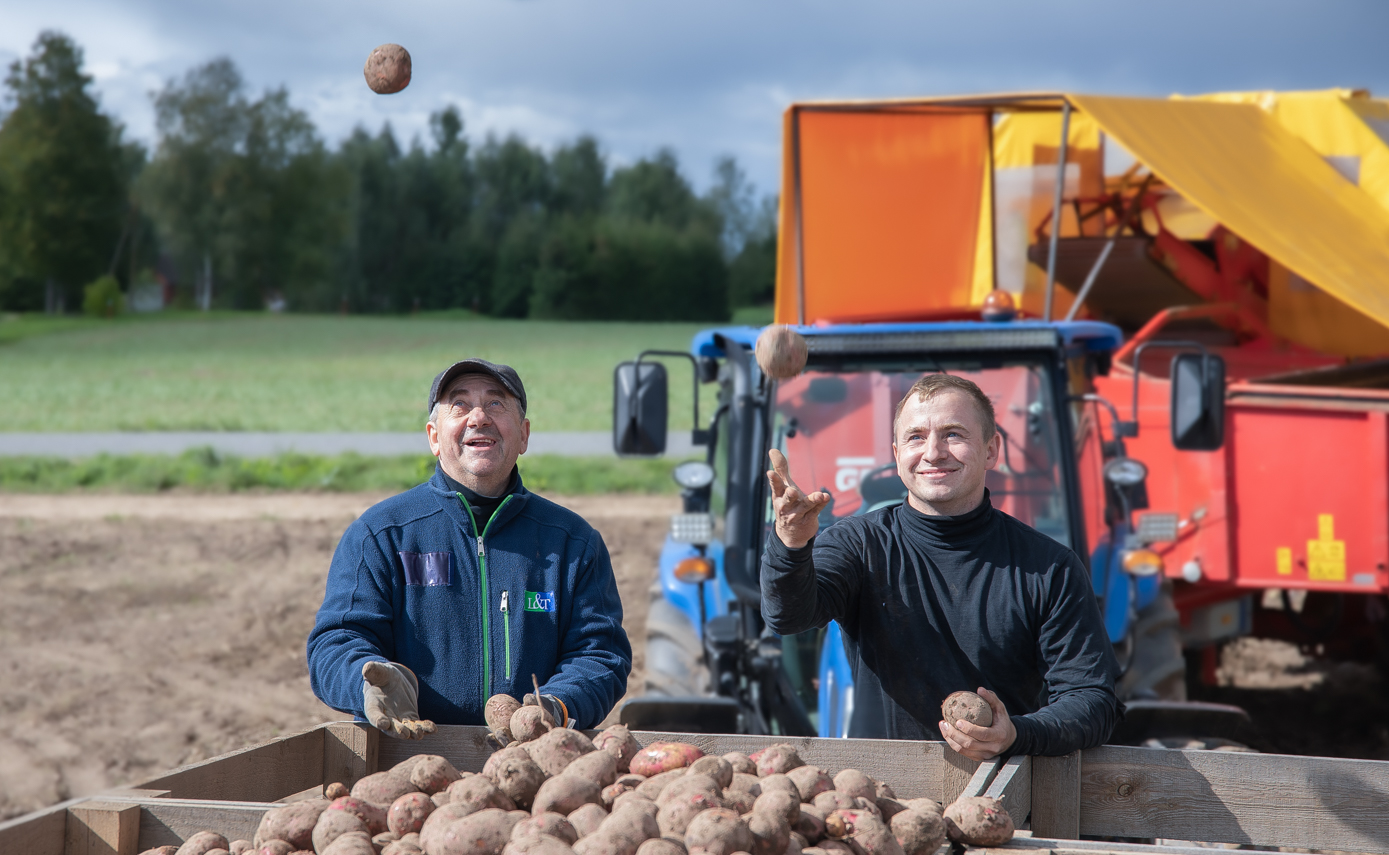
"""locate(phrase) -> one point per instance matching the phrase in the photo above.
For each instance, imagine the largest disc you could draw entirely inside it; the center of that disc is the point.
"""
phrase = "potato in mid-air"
(388, 69)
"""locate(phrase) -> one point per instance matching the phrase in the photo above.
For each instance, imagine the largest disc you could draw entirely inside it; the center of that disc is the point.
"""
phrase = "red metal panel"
(1310, 488)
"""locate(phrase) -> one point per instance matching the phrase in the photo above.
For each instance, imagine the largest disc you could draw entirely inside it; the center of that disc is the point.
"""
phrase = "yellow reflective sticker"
(1284, 559)
(1326, 556)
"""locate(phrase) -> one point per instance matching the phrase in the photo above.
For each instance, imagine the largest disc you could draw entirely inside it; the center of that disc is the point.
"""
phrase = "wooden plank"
(170, 822)
(1225, 797)
(1013, 786)
(957, 771)
(1056, 796)
(39, 833)
(914, 769)
(349, 751)
(262, 773)
(1023, 845)
(102, 828)
(983, 776)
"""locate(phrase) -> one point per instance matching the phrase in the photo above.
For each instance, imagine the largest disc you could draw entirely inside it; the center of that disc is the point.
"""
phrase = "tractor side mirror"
(1198, 402)
(640, 408)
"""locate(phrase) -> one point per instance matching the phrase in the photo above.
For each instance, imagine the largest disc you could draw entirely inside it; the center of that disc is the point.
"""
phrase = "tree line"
(242, 205)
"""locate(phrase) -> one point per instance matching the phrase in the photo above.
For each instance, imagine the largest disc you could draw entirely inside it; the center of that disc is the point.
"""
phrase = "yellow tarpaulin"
(1237, 163)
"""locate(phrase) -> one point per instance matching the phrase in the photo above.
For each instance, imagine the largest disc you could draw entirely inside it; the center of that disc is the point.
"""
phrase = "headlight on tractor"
(1142, 562)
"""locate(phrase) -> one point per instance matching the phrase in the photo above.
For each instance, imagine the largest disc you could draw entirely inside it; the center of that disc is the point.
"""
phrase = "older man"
(945, 593)
(467, 585)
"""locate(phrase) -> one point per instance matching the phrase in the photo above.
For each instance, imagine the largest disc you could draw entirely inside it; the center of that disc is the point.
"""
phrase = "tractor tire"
(674, 655)
(1156, 668)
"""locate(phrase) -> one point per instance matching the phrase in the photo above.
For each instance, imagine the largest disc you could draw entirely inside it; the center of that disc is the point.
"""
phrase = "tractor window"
(836, 429)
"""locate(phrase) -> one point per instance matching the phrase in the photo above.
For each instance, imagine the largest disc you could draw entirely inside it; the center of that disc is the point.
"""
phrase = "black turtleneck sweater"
(482, 506)
(931, 605)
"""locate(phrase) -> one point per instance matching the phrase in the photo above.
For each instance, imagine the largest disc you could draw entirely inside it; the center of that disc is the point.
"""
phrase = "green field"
(264, 372)
(204, 471)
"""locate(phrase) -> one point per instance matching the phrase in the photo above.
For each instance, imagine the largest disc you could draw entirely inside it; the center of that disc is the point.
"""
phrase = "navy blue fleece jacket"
(412, 583)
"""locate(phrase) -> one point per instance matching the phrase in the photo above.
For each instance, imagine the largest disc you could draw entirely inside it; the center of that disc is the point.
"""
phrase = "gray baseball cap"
(504, 374)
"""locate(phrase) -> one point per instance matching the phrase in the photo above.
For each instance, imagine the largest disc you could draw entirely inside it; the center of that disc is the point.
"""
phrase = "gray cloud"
(703, 78)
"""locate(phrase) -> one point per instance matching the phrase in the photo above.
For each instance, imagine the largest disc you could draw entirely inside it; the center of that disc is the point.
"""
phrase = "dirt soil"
(141, 633)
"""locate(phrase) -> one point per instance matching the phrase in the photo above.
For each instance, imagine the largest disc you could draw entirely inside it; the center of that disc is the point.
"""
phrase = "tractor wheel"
(1156, 668)
(674, 654)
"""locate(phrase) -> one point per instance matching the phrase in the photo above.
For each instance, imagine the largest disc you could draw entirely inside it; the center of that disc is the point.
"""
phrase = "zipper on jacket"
(506, 628)
(486, 596)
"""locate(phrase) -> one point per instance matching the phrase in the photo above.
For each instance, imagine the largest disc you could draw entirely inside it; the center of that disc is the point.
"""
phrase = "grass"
(226, 371)
(205, 471)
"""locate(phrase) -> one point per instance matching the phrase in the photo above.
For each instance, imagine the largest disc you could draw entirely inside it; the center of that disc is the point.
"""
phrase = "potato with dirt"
(407, 845)
(780, 803)
(810, 824)
(483, 833)
(479, 792)
(516, 774)
(776, 759)
(967, 706)
(332, 824)
(624, 784)
(587, 818)
(741, 763)
(651, 788)
(771, 833)
(661, 846)
(383, 788)
(236, 847)
(855, 784)
(275, 847)
(978, 821)
(618, 741)
(867, 831)
(919, 832)
(537, 844)
(563, 794)
(292, 823)
(530, 723)
(715, 767)
(433, 773)
(596, 766)
(718, 831)
(555, 750)
(740, 801)
(202, 843)
(680, 806)
(497, 713)
(810, 781)
(351, 843)
(661, 757)
(549, 823)
(373, 816)
(408, 814)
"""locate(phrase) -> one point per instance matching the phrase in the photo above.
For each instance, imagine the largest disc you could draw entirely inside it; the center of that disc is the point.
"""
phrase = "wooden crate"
(1210, 796)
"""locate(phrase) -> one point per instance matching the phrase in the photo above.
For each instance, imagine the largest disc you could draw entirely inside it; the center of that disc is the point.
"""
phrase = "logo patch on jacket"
(427, 568)
(540, 601)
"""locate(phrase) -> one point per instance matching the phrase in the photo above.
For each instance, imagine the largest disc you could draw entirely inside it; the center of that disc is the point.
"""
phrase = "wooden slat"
(982, 777)
(1056, 796)
(914, 769)
(102, 828)
(262, 773)
(1023, 845)
(349, 751)
(1013, 786)
(39, 833)
(165, 822)
(1226, 797)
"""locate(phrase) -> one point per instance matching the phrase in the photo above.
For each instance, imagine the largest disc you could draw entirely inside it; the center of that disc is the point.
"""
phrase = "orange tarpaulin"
(880, 212)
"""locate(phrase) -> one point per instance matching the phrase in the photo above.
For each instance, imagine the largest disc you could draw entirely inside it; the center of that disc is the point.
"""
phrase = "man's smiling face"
(942, 454)
(478, 433)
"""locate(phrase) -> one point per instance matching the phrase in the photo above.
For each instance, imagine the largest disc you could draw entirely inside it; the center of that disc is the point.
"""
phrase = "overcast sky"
(707, 77)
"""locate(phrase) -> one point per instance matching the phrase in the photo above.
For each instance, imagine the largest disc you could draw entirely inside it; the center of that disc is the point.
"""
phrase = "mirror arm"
(697, 436)
(1130, 428)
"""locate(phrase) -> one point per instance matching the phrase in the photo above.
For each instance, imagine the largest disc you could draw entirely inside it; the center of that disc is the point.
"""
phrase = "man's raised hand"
(797, 514)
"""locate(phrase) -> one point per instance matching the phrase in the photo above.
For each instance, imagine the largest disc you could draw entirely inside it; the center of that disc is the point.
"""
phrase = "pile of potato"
(554, 791)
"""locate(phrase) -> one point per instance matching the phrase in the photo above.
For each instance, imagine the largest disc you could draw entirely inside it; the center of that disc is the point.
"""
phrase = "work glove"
(552, 705)
(391, 700)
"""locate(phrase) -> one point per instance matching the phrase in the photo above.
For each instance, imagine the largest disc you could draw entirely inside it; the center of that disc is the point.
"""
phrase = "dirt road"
(144, 632)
